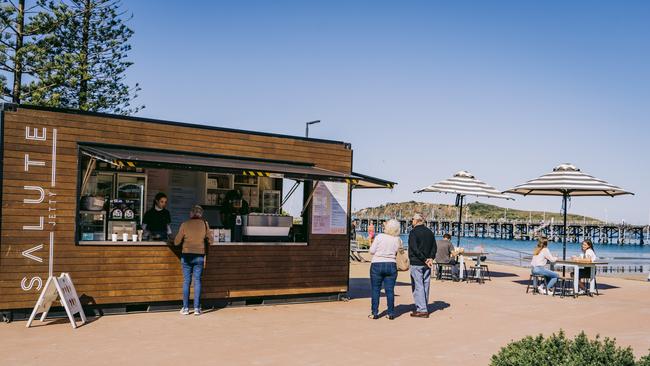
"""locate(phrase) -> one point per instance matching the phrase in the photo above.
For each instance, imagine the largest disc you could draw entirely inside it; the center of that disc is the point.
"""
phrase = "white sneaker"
(197, 311)
(541, 289)
(185, 311)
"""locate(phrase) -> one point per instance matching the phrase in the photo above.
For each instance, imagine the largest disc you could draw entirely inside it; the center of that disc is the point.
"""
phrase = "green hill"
(472, 211)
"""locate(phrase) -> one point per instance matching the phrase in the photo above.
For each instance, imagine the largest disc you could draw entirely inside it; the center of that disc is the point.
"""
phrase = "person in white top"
(383, 267)
(587, 253)
(541, 256)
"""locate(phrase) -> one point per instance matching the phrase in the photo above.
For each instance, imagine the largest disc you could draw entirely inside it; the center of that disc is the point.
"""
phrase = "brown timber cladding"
(114, 274)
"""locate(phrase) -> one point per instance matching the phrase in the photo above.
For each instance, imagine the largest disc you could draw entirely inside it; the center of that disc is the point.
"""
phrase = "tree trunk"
(18, 57)
(83, 64)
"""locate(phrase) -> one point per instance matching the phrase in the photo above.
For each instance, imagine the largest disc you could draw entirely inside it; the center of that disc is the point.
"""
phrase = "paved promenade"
(470, 322)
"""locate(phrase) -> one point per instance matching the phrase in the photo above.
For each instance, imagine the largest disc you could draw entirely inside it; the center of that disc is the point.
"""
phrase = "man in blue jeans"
(422, 250)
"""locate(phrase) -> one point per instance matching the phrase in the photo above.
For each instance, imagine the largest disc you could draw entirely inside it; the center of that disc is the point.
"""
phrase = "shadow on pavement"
(360, 288)
(599, 286)
(403, 309)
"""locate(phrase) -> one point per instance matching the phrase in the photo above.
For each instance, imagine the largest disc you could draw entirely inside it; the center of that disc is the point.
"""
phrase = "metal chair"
(476, 273)
(585, 283)
(485, 269)
(565, 285)
(536, 279)
(355, 252)
(445, 271)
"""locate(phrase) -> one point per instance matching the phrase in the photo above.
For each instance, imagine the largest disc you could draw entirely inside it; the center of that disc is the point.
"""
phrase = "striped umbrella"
(566, 180)
(464, 184)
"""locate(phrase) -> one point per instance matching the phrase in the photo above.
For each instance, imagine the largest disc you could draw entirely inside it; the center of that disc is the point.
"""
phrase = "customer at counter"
(194, 236)
(157, 220)
(234, 208)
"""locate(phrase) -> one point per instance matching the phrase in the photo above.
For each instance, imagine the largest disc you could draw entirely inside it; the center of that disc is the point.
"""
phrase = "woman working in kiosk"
(156, 221)
(234, 208)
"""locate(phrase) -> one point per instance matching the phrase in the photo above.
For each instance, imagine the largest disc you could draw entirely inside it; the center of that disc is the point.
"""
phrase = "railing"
(518, 255)
(522, 259)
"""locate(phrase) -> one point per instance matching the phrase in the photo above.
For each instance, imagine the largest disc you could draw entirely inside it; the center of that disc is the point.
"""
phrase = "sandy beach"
(469, 323)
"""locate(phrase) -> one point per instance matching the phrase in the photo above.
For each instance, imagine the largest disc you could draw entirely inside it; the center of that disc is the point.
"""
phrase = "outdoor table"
(576, 265)
(461, 262)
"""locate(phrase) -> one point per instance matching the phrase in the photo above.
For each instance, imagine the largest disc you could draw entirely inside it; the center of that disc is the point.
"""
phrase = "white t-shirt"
(590, 254)
(541, 259)
(384, 248)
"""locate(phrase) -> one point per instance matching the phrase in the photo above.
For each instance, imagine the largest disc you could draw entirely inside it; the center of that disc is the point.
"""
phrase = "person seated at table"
(444, 256)
(541, 256)
(587, 253)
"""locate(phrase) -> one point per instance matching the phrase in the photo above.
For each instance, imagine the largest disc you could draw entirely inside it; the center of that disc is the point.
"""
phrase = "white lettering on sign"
(40, 191)
(51, 261)
(53, 159)
(29, 163)
(35, 195)
(52, 215)
(38, 227)
(28, 253)
(35, 136)
(34, 280)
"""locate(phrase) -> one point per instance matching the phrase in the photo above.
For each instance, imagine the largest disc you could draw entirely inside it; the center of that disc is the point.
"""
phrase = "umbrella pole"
(460, 219)
(564, 206)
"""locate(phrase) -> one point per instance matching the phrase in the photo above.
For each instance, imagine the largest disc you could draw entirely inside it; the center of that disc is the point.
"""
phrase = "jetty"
(598, 232)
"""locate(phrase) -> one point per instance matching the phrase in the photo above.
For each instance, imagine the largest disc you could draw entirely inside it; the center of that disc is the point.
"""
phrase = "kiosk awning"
(131, 157)
(366, 181)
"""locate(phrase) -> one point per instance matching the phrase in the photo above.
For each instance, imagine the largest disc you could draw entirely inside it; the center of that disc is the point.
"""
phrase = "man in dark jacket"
(422, 249)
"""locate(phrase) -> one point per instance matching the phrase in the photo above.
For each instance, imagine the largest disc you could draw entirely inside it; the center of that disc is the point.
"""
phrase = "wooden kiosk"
(75, 186)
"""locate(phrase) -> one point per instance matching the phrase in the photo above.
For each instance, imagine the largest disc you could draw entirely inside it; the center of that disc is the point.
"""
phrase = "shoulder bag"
(402, 258)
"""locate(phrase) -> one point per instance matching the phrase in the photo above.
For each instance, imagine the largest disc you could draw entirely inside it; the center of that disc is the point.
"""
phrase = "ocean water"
(621, 258)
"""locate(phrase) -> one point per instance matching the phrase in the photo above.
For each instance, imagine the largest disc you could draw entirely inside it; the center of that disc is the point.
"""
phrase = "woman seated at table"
(589, 254)
(541, 256)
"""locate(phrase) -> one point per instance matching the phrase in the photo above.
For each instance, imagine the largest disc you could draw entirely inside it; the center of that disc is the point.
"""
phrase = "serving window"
(241, 206)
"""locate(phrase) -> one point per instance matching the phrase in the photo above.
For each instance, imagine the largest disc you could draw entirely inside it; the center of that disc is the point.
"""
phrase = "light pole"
(307, 126)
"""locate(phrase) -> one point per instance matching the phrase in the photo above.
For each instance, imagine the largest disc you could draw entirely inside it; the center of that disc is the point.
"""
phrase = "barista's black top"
(157, 220)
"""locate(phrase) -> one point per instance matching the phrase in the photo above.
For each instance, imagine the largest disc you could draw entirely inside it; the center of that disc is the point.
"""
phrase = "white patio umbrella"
(464, 184)
(566, 180)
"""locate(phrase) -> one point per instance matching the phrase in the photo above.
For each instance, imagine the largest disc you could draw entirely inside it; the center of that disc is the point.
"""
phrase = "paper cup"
(125, 237)
(113, 237)
(134, 237)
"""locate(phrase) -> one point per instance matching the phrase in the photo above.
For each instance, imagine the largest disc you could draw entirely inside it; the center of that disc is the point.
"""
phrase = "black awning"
(365, 181)
(134, 157)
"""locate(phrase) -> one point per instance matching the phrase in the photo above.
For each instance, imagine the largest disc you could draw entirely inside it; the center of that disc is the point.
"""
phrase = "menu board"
(157, 181)
(330, 208)
(182, 196)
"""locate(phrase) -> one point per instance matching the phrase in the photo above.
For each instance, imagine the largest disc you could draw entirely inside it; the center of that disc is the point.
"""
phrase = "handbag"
(206, 238)
(402, 258)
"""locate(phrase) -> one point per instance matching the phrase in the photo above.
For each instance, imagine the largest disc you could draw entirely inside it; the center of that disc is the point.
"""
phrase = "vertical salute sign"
(38, 193)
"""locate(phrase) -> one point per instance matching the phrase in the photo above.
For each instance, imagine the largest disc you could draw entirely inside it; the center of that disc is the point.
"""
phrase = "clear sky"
(504, 89)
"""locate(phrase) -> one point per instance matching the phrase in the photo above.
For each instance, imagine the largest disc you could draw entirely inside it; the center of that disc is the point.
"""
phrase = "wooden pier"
(602, 233)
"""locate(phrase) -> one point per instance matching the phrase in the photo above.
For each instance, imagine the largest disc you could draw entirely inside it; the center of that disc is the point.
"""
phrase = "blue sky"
(504, 89)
